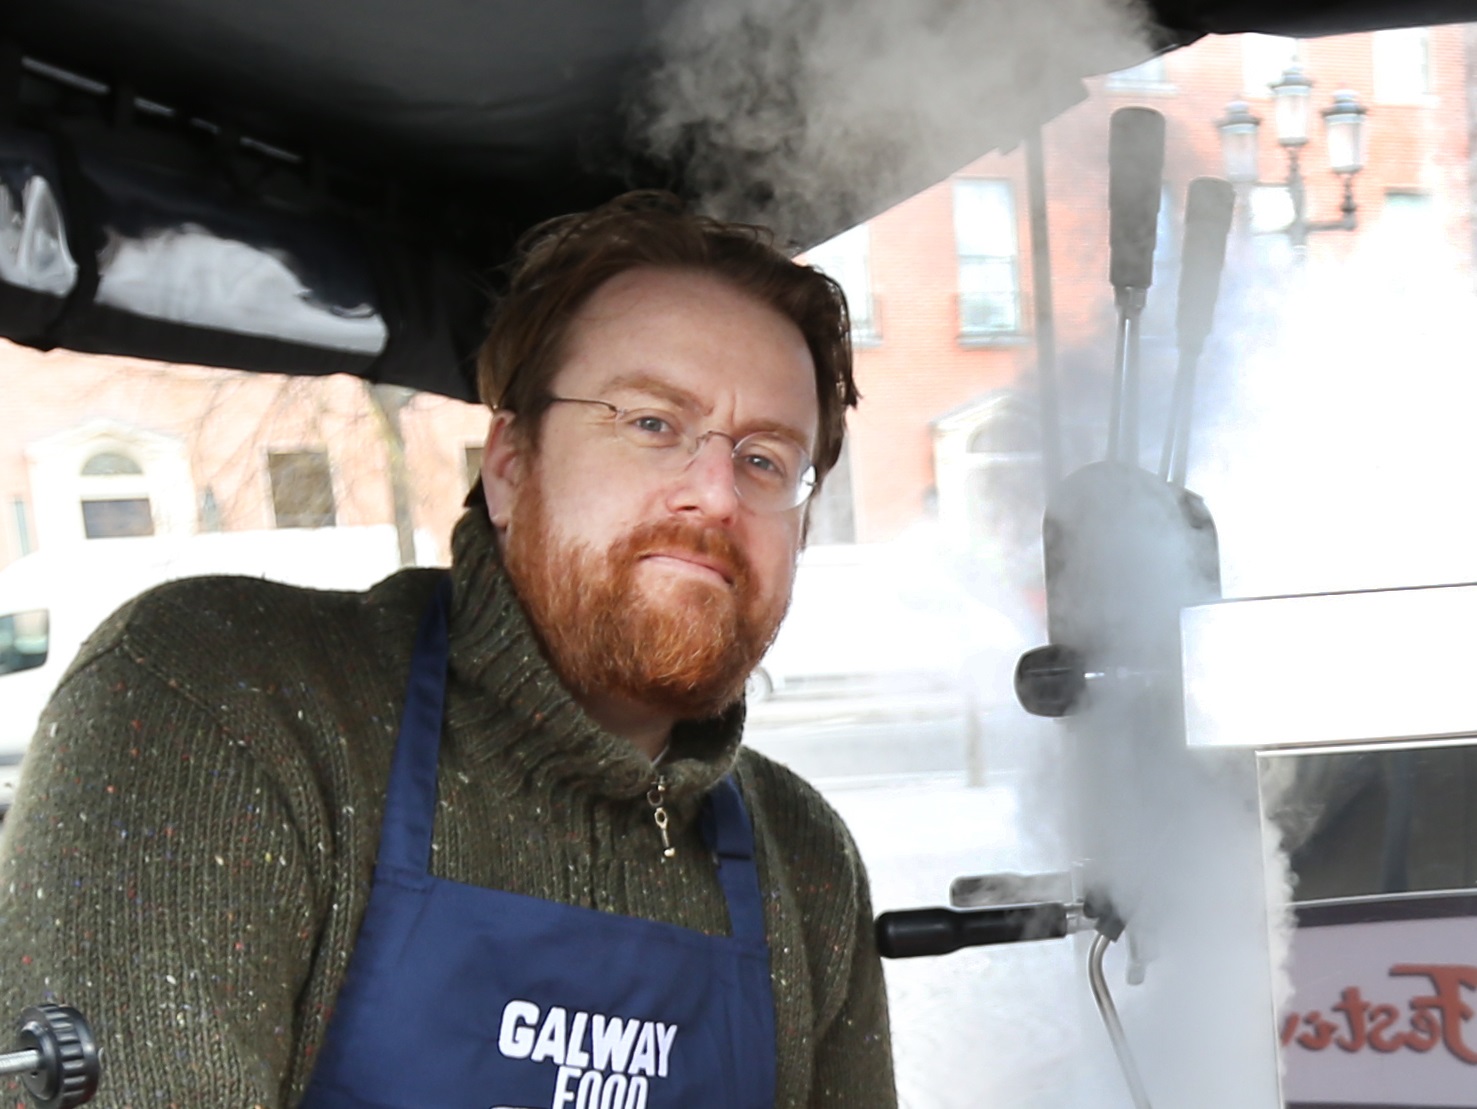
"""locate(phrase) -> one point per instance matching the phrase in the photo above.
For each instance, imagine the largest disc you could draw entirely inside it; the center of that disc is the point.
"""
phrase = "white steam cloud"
(810, 116)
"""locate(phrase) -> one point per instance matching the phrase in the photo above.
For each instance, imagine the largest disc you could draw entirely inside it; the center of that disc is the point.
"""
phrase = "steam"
(1335, 440)
(811, 116)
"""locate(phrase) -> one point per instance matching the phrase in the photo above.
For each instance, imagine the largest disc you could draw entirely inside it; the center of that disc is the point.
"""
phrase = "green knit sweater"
(191, 851)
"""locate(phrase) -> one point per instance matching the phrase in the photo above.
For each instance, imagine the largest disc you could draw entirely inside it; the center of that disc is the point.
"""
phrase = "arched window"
(104, 479)
(110, 464)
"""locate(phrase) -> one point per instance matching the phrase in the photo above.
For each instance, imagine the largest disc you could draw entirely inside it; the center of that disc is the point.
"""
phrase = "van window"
(24, 637)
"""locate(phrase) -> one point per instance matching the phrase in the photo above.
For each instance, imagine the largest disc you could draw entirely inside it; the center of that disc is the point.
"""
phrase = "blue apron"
(459, 997)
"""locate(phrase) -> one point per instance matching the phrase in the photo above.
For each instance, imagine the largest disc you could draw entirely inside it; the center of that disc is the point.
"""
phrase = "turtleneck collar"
(494, 650)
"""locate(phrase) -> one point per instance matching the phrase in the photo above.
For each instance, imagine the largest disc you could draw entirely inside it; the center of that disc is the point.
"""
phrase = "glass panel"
(114, 519)
(988, 299)
(472, 463)
(23, 640)
(302, 490)
(1149, 73)
(110, 463)
(1402, 64)
(984, 217)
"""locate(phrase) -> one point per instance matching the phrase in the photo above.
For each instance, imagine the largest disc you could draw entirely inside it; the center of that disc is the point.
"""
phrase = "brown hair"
(561, 262)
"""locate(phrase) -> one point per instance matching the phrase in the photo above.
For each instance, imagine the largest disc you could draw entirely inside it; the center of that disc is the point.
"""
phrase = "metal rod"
(1123, 421)
(1104, 999)
(1131, 403)
(1174, 460)
(20, 1062)
(1115, 414)
(1045, 314)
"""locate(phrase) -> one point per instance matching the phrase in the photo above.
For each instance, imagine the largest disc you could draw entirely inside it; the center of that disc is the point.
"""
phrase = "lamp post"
(1344, 123)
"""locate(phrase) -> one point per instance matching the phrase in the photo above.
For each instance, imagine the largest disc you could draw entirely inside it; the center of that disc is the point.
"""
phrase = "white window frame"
(997, 247)
(58, 486)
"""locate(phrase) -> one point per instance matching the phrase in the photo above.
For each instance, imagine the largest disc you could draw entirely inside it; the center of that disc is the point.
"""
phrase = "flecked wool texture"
(191, 850)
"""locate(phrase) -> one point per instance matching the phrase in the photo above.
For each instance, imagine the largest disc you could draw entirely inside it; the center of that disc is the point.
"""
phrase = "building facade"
(948, 320)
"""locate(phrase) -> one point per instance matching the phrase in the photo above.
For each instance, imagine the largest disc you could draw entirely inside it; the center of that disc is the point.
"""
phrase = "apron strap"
(410, 803)
(726, 830)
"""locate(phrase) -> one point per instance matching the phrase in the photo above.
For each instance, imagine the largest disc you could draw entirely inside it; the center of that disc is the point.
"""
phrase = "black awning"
(384, 153)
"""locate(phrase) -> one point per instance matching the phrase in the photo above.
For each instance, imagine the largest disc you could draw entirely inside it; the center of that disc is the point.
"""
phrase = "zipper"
(656, 797)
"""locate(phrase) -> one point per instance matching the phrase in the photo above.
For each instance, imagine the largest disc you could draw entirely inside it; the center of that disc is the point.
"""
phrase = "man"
(489, 838)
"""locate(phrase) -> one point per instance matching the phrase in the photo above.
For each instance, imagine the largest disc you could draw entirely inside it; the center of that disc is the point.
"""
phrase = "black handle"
(1050, 680)
(1135, 183)
(914, 932)
(1208, 210)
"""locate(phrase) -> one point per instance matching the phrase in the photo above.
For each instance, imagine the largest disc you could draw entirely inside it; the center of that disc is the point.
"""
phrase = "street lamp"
(1344, 122)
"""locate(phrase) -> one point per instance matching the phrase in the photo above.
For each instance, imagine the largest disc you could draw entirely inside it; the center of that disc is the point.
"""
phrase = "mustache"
(712, 544)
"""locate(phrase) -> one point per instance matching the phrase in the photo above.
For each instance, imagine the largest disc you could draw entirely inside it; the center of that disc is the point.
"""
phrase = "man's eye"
(765, 466)
(651, 429)
(648, 423)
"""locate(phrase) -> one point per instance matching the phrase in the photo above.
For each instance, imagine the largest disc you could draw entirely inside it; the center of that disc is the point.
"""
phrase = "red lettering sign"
(1437, 1019)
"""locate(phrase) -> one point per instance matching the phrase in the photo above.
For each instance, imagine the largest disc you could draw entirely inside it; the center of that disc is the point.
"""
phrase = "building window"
(24, 544)
(103, 478)
(472, 464)
(1151, 74)
(847, 259)
(989, 271)
(115, 497)
(302, 489)
(123, 518)
(1264, 59)
(110, 464)
(1402, 65)
(833, 511)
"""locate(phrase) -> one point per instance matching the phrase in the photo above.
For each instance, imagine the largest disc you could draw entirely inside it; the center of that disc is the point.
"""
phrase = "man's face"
(649, 586)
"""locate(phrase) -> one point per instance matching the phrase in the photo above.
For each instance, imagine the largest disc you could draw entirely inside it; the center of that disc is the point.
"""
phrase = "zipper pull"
(656, 797)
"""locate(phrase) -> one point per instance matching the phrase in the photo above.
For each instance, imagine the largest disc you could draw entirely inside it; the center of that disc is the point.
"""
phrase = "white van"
(52, 600)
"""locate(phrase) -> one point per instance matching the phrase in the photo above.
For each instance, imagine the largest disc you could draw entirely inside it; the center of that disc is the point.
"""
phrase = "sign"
(1384, 1010)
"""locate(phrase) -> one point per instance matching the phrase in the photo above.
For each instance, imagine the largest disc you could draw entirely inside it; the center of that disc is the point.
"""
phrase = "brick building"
(947, 340)
(946, 329)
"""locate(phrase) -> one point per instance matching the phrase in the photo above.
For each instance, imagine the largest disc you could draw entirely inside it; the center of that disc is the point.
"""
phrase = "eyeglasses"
(770, 472)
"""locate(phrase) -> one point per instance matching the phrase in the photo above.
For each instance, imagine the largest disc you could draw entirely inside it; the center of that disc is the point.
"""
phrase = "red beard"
(684, 649)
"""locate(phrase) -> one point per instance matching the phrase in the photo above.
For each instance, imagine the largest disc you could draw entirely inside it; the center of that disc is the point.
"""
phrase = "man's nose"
(706, 484)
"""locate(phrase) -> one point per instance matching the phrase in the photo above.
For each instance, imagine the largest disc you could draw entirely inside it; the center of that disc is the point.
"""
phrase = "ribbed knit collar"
(552, 738)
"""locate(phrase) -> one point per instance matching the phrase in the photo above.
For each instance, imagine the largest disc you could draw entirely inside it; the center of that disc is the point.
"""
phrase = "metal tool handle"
(913, 932)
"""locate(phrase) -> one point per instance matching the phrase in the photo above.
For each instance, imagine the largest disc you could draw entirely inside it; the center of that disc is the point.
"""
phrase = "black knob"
(1050, 680)
(68, 1072)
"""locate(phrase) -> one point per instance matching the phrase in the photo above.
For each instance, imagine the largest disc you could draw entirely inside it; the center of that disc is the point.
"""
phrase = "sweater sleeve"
(154, 874)
(853, 1063)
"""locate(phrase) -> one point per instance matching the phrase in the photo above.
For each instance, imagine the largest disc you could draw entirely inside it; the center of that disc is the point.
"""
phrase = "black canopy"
(372, 160)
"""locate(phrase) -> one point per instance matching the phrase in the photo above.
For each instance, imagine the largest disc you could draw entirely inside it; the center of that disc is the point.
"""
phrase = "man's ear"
(504, 465)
